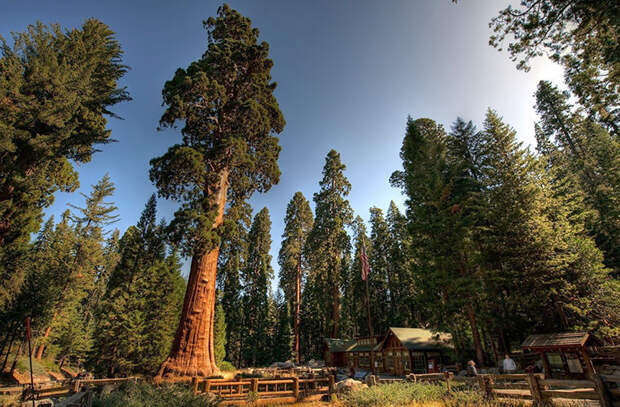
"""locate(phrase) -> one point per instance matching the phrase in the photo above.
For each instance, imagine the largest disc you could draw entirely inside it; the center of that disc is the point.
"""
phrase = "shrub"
(143, 394)
(405, 394)
(226, 366)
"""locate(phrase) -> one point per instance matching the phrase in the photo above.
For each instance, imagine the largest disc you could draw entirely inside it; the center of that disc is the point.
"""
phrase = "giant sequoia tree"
(55, 88)
(292, 259)
(229, 113)
(328, 242)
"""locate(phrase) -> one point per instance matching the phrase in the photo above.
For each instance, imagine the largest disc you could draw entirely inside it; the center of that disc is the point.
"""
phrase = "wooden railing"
(604, 389)
(265, 391)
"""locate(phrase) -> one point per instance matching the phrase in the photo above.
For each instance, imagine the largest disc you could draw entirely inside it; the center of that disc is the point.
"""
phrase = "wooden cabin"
(400, 351)
(564, 355)
(334, 351)
(413, 350)
(362, 354)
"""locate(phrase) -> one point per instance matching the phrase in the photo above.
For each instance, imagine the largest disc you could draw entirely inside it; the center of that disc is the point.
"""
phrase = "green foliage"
(229, 113)
(498, 245)
(256, 274)
(144, 394)
(580, 152)
(226, 366)
(582, 35)
(233, 253)
(56, 86)
(219, 334)
(404, 394)
(142, 302)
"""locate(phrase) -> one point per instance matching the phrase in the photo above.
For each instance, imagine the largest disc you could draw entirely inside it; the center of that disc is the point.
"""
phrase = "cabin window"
(390, 360)
(418, 362)
(555, 362)
(405, 359)
(574, 363)
(364, 359)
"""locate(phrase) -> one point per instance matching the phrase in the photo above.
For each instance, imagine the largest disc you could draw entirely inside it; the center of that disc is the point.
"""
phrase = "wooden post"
(255, 385)
(485, 386)
(195, 385)
(601, 390)
(588, 362)
(331, 384)
(446, 376)
(535, 390)
(76, 386)
(207, 386)
(296, 387)
(546, 365)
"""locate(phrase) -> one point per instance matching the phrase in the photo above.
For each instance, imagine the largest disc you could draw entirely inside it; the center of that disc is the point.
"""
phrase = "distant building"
(399, 351)
(564, 354)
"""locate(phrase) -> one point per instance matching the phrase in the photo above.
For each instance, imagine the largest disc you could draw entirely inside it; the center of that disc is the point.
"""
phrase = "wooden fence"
(534, 387)
(265, 391)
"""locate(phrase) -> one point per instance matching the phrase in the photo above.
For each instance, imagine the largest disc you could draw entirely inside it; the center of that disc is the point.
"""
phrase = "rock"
(316, 363)
(370, 380)
(348, 385)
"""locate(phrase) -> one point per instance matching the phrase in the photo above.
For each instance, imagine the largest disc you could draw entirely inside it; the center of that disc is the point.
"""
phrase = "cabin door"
(433, 365)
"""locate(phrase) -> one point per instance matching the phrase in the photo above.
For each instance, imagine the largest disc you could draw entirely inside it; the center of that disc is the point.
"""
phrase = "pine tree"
(233, 253)
(219, 334)
(404, 308)
(380, 284)
(136, 318)
(87, 265)
(355, 301)
(230, 115)
(292, 259)
(582, 35)
(328, 242)
(56, 87)
(282, 345)
(578, 147)
(257, 273)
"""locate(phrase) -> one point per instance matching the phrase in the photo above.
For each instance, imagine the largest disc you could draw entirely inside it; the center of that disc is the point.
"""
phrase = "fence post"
(331, 384)
(485, 386)
(195, 385)
(255, 385)
(76, 386)
(535, 390)
(601, 389)
(207, 385)
(296, 387)
(446, 376)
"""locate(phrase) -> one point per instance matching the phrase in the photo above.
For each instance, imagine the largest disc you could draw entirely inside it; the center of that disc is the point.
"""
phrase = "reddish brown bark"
(192, 350)
(476, 334)
(41, 347)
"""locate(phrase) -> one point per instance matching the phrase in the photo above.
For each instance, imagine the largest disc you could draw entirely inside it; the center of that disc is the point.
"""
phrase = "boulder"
(316, 364)
(349, 385)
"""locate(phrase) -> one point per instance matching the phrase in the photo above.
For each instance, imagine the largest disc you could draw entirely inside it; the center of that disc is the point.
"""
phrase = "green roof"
(339, 345)
(422, 339)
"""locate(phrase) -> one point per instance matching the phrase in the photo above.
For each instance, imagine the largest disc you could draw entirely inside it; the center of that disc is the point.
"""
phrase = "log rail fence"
(602, 388)
(534, 387)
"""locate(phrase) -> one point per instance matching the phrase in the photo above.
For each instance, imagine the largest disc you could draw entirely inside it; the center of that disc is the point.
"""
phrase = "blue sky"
(348, 72)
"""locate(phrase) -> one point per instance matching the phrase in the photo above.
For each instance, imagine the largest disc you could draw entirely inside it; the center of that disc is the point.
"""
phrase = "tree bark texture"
(192, 350)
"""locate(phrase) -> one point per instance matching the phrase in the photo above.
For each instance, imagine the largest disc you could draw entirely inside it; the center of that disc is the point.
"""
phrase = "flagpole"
(30, 357)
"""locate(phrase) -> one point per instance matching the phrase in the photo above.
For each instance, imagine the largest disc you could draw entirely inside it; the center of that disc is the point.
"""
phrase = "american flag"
(365, 265)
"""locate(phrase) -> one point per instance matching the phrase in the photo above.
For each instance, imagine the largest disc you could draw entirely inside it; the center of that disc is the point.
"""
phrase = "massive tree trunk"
(192, 350)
